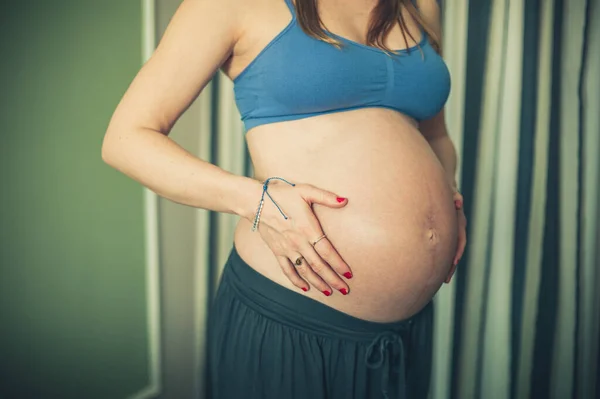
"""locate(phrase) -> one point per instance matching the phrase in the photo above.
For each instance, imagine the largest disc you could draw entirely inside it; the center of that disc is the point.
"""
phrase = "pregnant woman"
(352, 220)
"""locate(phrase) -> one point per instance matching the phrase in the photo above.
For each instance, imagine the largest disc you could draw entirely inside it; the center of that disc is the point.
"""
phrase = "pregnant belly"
(397, 232)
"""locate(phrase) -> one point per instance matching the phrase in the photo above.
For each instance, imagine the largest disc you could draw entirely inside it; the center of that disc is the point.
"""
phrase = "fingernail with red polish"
(340, 199)
(344, 291)
(458, 204)
(327, 293)
(304, 289)
(348, 275)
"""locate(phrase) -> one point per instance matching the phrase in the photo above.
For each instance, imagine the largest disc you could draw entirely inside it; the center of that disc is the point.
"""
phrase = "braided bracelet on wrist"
(262, 200)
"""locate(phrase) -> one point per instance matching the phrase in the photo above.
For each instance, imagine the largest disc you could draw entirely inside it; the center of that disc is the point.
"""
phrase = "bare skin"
(398, 232)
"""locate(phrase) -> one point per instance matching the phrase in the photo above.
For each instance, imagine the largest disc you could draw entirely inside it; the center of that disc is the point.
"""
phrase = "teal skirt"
(268, 342)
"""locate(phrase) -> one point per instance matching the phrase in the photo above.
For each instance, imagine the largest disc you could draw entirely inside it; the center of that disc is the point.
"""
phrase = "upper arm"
(198, 39)
(430, 12)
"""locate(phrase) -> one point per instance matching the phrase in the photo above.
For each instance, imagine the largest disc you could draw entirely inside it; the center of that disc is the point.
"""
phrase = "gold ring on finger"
(318, 239)
(298, 260)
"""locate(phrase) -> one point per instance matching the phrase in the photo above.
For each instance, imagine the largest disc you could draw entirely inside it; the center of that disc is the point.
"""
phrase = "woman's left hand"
(462, 233)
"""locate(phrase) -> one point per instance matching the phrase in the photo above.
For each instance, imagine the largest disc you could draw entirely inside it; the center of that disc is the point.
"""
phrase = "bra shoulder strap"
(291, 7)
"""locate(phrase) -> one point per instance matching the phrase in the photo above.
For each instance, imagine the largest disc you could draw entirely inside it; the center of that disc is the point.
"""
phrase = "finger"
(314, 195)
(458, 204)
(323, 269)
(458, 201)
(330, 255)
(291, 273)
(462, 242)
(325, 249)
(308, 274)
(450, 273)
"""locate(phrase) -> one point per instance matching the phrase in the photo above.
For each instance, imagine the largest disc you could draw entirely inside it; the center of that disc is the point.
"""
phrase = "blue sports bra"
(297, 76)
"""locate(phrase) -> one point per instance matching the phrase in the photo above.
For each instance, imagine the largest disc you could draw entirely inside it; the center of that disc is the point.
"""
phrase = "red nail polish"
(340, 199)
(348, 275)
(304, 289)
(327, 293)
(458, 204)
(344, 291)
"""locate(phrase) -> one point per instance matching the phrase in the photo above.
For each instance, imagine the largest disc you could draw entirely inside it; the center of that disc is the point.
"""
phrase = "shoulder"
(259, 22)
(430, 12)
(218, 15)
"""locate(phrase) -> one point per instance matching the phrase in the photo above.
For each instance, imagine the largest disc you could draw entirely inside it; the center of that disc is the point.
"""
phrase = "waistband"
(299, 311)
(386, 348)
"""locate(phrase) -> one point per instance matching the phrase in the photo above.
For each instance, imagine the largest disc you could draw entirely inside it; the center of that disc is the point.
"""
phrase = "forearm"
(444, 149)
(159, 163)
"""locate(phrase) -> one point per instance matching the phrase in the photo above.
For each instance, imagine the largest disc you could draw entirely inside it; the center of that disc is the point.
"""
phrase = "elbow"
(114, 142)
(111, 146)
(119, 142)
(106, 149)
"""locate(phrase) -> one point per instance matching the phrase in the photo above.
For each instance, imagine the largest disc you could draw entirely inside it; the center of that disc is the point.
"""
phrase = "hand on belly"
(399, 262)
(398, 232)
(292, 232)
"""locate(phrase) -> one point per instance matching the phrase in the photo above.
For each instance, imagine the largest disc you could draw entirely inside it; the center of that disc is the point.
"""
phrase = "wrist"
(247, 197)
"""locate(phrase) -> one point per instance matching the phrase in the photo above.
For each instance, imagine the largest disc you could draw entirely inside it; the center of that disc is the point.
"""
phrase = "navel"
(432, 235)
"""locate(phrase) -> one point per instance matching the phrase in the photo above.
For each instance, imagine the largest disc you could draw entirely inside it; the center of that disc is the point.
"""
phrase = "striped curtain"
(522, 317)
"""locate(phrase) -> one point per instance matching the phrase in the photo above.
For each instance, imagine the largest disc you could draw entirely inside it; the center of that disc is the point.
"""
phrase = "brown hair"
(383, 18)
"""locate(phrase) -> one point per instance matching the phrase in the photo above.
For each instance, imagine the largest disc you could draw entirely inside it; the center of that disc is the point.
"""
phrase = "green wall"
(72, 277)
